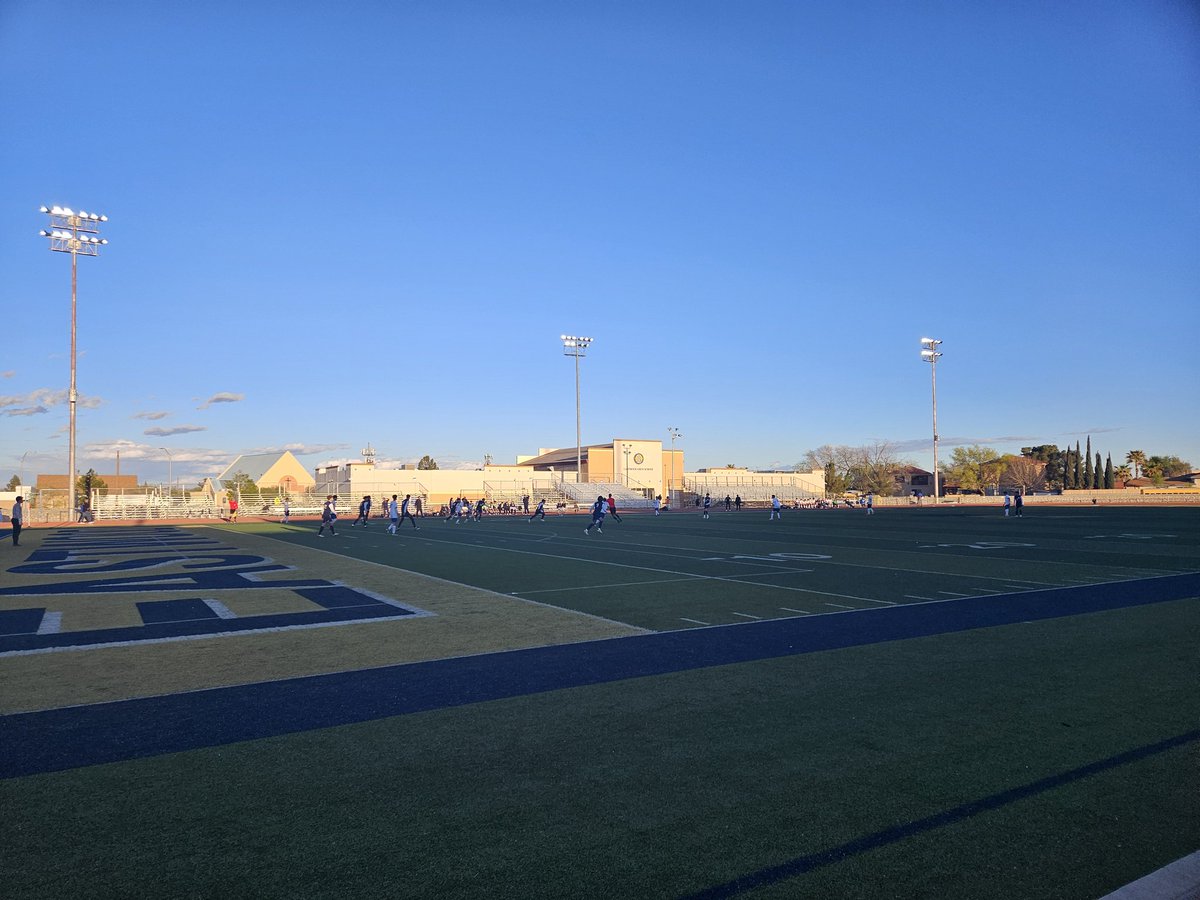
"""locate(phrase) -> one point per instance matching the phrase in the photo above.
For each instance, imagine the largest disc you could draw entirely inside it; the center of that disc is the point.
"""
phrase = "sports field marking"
(954, 594)
(222, 611)
(693, 621)
(748, 616)
(599, 587)
(915, 597)
(51, 623)
(840, 606)
(884, 602)
(803, 612)
(390, 568)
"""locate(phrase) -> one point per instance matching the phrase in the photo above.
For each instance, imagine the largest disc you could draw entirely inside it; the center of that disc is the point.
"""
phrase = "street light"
(577, 347)
(170, 472)
(930, 353)
(75, 233)
(628, 448)
(674, 434)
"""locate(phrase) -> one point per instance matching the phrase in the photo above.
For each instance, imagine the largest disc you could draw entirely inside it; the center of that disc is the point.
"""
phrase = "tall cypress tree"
(1109, 480)
(1077, 478)
(1087, 466)
(1097, 477)
(1067, 483)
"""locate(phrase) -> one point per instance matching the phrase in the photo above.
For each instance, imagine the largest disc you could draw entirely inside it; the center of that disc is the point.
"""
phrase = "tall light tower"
(675, 433)
(628, 448)
(577, 347)
(75, 233)
(930, 353)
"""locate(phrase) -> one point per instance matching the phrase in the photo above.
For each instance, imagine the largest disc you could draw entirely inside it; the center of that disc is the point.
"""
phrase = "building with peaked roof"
(270, 470)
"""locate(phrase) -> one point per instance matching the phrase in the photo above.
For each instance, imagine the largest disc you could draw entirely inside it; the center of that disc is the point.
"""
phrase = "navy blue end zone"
(339, 609)
(58, 739)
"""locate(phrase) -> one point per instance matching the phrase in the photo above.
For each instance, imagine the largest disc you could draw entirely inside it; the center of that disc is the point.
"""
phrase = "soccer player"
(405, 514)
(775, 508)
(540, 511)
(393, 515)
(707, 504)
(1020, 504)
(657, 503)
(479, 509)
(599, 508)
(328, 517)
(287, 510)
(728, 503)
(1007, 504)
(737, 503)
(364, 511)
(870, 504)
(612, 508)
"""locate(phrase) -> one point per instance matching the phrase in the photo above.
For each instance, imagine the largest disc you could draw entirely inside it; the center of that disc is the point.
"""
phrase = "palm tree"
(1137, 459)
(1122, 472)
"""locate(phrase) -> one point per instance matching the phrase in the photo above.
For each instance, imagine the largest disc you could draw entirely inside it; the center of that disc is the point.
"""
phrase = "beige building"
(271, 470)
(634, 470)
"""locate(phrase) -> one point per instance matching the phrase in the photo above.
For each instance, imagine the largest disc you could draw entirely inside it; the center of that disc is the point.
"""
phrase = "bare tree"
(1023, 474)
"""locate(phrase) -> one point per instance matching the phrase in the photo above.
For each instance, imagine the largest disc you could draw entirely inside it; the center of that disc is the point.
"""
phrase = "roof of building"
(256, 465)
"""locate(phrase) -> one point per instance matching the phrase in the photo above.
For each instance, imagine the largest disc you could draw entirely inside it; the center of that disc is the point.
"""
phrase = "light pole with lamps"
(675, 433)
(930, 353)
(170, 472)
(628, 448)
(577, 347)
(75, 233)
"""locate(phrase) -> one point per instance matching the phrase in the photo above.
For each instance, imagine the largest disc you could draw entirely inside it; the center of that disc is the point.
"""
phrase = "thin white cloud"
(151, 416)
(46, 397)
(223, 397)
(26, 411)
(176, 429)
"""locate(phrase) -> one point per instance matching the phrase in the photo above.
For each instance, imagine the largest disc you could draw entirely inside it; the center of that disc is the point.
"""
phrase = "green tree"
(1169, 466)
(1136, 458)
(1109, 479)
(13, 483)
(87, 482)
(1088, 480)
(975, 468)
(1122, 472)
(1077, 477)
(241, 482)
(427, 462)
(1097, 475)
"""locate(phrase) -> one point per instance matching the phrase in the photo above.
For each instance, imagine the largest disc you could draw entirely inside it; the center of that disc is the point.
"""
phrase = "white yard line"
(747, 615)
(598, 587)
(839, 606)
(915, 597)
(803, 612)
(693, 621)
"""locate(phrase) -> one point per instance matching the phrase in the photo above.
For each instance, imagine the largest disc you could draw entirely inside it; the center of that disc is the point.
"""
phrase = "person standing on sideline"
(405, 514)
(612, 508)
(657, 503)
(870, 504)
(728, 503)
(328, 517)
(775, 508)
(599, 508)
(525, 503)
(707, 504)
(233, 507)
(540, 511)
(737, 503)
(1020, 504)
(287, 510)
(1007, 504)
(420, 511)
(364, 512)
(18, 519)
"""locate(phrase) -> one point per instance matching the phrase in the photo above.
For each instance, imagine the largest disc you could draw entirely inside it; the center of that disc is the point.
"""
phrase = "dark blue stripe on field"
(803, 864)
(193, 628)
(52, 740)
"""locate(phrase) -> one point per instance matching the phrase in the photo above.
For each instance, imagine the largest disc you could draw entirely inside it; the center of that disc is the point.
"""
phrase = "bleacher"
(585, 494)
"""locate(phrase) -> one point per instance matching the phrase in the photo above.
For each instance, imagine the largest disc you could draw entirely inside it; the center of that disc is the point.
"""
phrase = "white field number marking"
(982, 545)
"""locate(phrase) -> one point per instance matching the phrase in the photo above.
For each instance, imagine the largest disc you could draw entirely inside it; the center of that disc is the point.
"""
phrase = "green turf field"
(1033, 759)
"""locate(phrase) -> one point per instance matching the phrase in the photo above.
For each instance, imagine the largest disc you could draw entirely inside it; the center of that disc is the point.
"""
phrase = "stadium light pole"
(674, 434)
(628, 448)
(577, 346)
(170, 471)
(75, 233)
(930, 353)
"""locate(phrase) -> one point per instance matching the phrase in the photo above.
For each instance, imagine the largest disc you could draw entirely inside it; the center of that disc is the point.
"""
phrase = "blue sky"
(334, 224)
